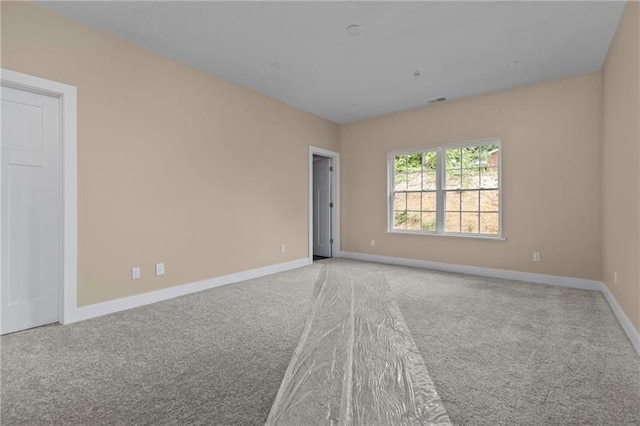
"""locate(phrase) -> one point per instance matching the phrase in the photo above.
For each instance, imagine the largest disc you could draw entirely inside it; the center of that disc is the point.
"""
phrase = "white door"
(321, 206)
(31, 210)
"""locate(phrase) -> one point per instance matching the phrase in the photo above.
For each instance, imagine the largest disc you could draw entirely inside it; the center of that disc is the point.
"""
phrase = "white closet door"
(31, 210)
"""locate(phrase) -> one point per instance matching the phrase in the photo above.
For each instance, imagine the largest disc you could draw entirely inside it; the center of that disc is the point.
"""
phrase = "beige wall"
(550, 136)
(621, 165)
(174, 165)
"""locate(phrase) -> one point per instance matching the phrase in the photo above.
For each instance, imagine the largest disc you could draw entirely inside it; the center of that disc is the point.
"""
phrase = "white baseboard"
(111, 306)
(476, 270)
(631, 331)
(555, 280)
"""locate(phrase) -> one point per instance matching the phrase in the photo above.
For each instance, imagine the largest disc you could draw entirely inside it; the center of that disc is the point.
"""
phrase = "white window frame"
(440, 190)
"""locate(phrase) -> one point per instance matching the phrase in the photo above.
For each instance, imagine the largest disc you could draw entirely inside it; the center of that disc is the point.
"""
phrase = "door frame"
(69, 175)
(335, 191)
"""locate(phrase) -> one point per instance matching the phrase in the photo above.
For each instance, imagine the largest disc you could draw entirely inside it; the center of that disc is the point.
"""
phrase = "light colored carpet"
(215, 357)
(499, 352)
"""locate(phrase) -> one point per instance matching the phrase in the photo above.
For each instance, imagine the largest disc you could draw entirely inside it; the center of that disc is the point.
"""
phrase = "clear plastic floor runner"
(356, 362)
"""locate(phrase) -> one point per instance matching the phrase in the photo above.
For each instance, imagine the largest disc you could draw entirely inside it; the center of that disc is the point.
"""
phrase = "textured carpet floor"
(499, 352)
(215, 357)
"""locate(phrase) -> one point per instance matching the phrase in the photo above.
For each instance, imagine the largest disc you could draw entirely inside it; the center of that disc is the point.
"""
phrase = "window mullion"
(392, 192)
(440, 178)
(421, 188)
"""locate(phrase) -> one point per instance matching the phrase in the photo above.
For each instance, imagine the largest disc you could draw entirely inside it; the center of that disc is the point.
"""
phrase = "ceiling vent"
(436, 100)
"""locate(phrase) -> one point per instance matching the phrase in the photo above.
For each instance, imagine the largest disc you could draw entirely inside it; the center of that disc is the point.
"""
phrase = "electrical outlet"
(373, 243)
(283, 249)
(615, 277)
(135, 273)
(159, 269)
(536, 256)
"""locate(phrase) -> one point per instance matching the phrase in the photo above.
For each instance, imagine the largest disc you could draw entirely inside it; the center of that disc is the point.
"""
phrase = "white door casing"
(25, 164)
(321, 206)
(31, 210)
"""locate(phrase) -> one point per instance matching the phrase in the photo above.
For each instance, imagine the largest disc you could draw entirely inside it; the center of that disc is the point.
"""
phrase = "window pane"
(471, 178)
(452, 222)
(413, 220)
(430, 160)
(490, 223)
(414, 162)
(453, 179)
(400, 201)
(490, 177)
(428, 201)
(429, 180)
(400, 182)
(469, 223)
(485, 154)
(471, 156)
(429, 221)
(413, 200)
(415, 181)
(452, 200)
(453, 158)
(400, 163)
(400, 219)
(492, 156)
(470, 201)
(490, 201)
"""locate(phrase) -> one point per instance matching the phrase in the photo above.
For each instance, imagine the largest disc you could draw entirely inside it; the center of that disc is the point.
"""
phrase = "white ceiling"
(300, 52)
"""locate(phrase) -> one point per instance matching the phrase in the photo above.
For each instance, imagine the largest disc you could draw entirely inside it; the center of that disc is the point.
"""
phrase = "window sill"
(449, 235)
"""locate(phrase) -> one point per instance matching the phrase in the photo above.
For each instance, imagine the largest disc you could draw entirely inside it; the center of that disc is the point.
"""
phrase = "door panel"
(25, 233)
(31, 210)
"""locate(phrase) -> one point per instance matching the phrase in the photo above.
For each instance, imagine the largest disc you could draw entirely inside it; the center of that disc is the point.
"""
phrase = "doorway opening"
(324, 216)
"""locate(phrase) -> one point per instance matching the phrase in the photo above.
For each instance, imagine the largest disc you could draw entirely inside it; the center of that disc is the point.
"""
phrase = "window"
(449, 189)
